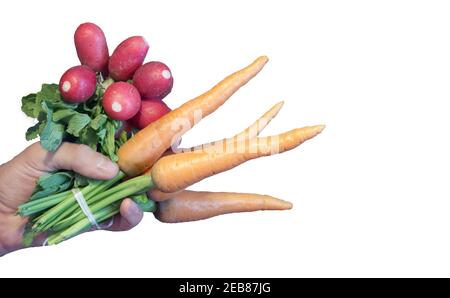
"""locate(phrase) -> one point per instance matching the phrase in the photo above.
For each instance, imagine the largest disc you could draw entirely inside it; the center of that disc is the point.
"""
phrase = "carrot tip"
(263, 59)
(289, 205)
(278, 204)
(319, 128)
(276, 109)
(280, 105)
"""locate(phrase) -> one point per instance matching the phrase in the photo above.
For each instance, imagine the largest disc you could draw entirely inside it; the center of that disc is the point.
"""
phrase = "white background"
(370, 193)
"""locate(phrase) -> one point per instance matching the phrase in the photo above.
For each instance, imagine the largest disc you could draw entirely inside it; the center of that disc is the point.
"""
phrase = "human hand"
(18, 179)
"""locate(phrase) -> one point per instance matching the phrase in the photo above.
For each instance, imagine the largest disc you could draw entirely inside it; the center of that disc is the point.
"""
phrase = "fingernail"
(106, 165)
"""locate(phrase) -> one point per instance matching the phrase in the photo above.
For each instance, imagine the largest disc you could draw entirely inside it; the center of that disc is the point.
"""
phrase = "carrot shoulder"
(176, 172)
(141, 151)
(192, 205)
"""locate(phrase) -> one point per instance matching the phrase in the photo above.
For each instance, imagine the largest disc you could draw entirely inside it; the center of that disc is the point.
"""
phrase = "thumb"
(81, 159)
(130, 215)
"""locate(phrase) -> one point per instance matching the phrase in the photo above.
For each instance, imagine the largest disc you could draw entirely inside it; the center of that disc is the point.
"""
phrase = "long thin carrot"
(191, 205)
(178, 171)
(249, 133)
(140, 152)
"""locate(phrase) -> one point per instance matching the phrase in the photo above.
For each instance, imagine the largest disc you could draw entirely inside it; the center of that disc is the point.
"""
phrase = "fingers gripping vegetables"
(141, 151)
(175, 172)
(192, 205)
(91, 46)
(96, 112)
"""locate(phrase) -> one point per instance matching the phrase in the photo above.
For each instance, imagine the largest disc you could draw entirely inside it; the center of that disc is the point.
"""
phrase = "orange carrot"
(141, 151)
(192, 205)
(178, 171)
(249, 133)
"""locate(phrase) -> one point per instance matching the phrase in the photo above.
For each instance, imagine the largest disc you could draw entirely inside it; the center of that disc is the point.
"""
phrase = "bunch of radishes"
(136, 90)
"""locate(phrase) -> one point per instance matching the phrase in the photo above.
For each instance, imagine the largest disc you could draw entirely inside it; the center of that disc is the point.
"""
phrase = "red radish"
(127, 57)
(121, 101)
(151, 110)
(78, 84)
(153, 80)
(91, 46)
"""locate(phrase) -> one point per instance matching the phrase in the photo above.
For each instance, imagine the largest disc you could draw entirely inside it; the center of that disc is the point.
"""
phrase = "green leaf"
(42, 125)
(53, 183)
(85, 123)
(92, 104)
(101, 134)
(89, 106)
(109, 141)
(54, 189)
(49, 92)
(55, 178)
(99, 121)
(77, 123)
(44, 193)
(61, 105)
(122, 138)
(43, 114)
(89, 137)
(50, 95)
(29, 105)
(52, 134)
(81, 181)
(62, 114)
(32, 132)
(95, 108)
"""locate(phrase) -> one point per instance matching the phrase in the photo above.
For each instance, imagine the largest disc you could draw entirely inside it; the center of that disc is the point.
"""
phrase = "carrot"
(141, 151)
(159, 196)
(249, 133)
(176, 172)
(192, 205)
(255, 129)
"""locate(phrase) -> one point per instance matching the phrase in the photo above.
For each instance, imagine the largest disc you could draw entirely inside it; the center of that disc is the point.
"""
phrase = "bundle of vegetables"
(123, 117)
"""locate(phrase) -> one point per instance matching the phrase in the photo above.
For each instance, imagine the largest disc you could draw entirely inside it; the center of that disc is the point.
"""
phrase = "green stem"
(45, 220)
(137, 185)
(38, 205)
(83, 224)
(48, 204)
(144, 202)
(118, 192)
(106, 83)
(101, 188)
